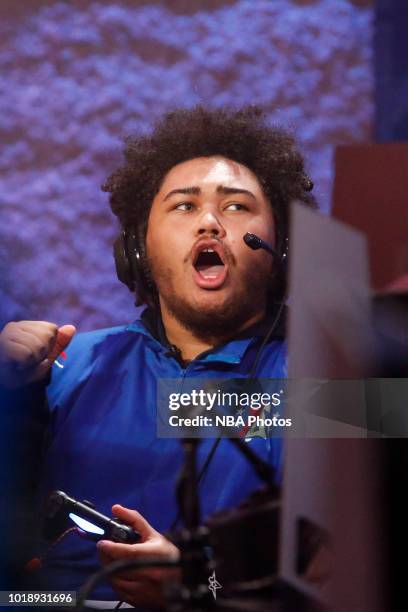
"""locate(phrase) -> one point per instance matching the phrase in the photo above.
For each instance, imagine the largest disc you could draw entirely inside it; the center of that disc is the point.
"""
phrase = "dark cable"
(265, 340)
(250, 377)
(255, 243)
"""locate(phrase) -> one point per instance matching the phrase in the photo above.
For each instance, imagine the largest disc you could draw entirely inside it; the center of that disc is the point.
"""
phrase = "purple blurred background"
(77, 77)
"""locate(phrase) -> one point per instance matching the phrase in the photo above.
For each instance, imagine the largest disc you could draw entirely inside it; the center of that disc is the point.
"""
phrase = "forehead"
(209, 172)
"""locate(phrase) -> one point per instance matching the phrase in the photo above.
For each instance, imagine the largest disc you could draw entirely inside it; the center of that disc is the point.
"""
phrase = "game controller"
(63, 512)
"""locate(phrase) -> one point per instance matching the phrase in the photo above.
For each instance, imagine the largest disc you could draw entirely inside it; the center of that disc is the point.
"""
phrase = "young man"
(185, 197)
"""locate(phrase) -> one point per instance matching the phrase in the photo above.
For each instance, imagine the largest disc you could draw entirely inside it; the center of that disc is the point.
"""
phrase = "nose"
(209, 223)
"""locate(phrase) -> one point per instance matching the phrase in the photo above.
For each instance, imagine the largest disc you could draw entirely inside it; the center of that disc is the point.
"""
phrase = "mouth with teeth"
(210, 267)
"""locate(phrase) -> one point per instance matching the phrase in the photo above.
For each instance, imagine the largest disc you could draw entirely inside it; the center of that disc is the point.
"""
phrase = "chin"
(211, 313)
(215, 315)
(212, 301)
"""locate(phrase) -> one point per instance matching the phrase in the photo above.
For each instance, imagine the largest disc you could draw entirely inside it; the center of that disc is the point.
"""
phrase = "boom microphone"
(255, 243)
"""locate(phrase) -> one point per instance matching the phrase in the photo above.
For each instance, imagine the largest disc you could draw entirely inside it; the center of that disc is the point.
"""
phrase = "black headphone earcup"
(142, 262)
(131, 263)
(122, 263)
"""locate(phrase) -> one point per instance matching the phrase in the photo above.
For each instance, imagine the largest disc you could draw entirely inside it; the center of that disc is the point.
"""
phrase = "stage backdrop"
(77, 77)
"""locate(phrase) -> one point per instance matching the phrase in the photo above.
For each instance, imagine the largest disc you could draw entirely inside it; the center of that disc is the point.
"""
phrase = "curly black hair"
(241, 135)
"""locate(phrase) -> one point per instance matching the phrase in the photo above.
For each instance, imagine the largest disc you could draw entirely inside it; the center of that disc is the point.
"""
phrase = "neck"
(189, 343)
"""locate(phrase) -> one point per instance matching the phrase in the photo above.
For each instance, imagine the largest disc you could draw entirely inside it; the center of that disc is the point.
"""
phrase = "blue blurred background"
(77, 77)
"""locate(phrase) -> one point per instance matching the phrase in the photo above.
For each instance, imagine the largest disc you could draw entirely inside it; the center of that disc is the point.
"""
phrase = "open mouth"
(209, 264)
(210, 267)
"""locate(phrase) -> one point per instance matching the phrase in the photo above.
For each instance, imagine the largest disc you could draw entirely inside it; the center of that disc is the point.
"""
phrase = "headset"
(131, 264)
(133, 270)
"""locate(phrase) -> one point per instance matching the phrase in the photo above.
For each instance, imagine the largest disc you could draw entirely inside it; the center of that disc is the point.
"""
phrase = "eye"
(236, 206)
(184, 206)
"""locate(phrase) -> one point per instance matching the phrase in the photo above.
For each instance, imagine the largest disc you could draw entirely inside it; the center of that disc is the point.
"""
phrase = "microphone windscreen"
(252, 241)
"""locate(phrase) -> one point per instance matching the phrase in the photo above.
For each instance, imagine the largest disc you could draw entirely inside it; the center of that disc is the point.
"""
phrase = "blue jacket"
(103, 445)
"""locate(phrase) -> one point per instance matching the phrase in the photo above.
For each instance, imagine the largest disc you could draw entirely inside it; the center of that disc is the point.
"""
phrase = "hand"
(140, 587)
(28, 349)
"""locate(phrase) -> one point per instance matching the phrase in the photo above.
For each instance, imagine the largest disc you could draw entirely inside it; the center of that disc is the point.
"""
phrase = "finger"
(20, 355)
(128, 595)
(30, 324)
(104, 558)
(37, 346)
(130, 575)
(139, 592)
(64, 337)
(159, 548)
(37, 326)
(135, 520)
(143, 573)
(45, 332)
(123, 584)
(117, 550)
(40, 372)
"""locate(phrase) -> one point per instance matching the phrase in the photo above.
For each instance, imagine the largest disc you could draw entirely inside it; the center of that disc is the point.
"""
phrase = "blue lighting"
(287, 56)
(86, 525)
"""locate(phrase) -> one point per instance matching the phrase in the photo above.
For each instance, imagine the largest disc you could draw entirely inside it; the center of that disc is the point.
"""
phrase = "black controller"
(63, 512)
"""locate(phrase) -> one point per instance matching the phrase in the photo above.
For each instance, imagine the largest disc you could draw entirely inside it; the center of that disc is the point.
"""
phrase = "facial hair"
(220, 320)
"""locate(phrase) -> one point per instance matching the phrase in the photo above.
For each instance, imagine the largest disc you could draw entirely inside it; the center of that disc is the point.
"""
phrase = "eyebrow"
(232, 190)
(184, 190)
(197, 191)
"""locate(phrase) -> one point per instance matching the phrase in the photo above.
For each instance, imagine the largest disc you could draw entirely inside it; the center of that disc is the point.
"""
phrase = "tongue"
(210, 271)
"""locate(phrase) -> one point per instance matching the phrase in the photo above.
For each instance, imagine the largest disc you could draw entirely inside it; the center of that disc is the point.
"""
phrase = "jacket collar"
(151, 325)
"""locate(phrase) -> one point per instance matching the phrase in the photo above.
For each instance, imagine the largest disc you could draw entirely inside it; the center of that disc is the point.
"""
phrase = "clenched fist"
(28, 349)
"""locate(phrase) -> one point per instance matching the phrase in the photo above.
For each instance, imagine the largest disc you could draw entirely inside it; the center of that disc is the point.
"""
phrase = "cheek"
(264, 228)
(247, 260)
(164, 250)
(156, 241)
(254, 263)
(152, 245)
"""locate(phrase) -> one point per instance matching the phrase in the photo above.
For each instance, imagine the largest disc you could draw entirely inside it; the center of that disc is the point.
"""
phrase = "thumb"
(64, 337)
(135, 520)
